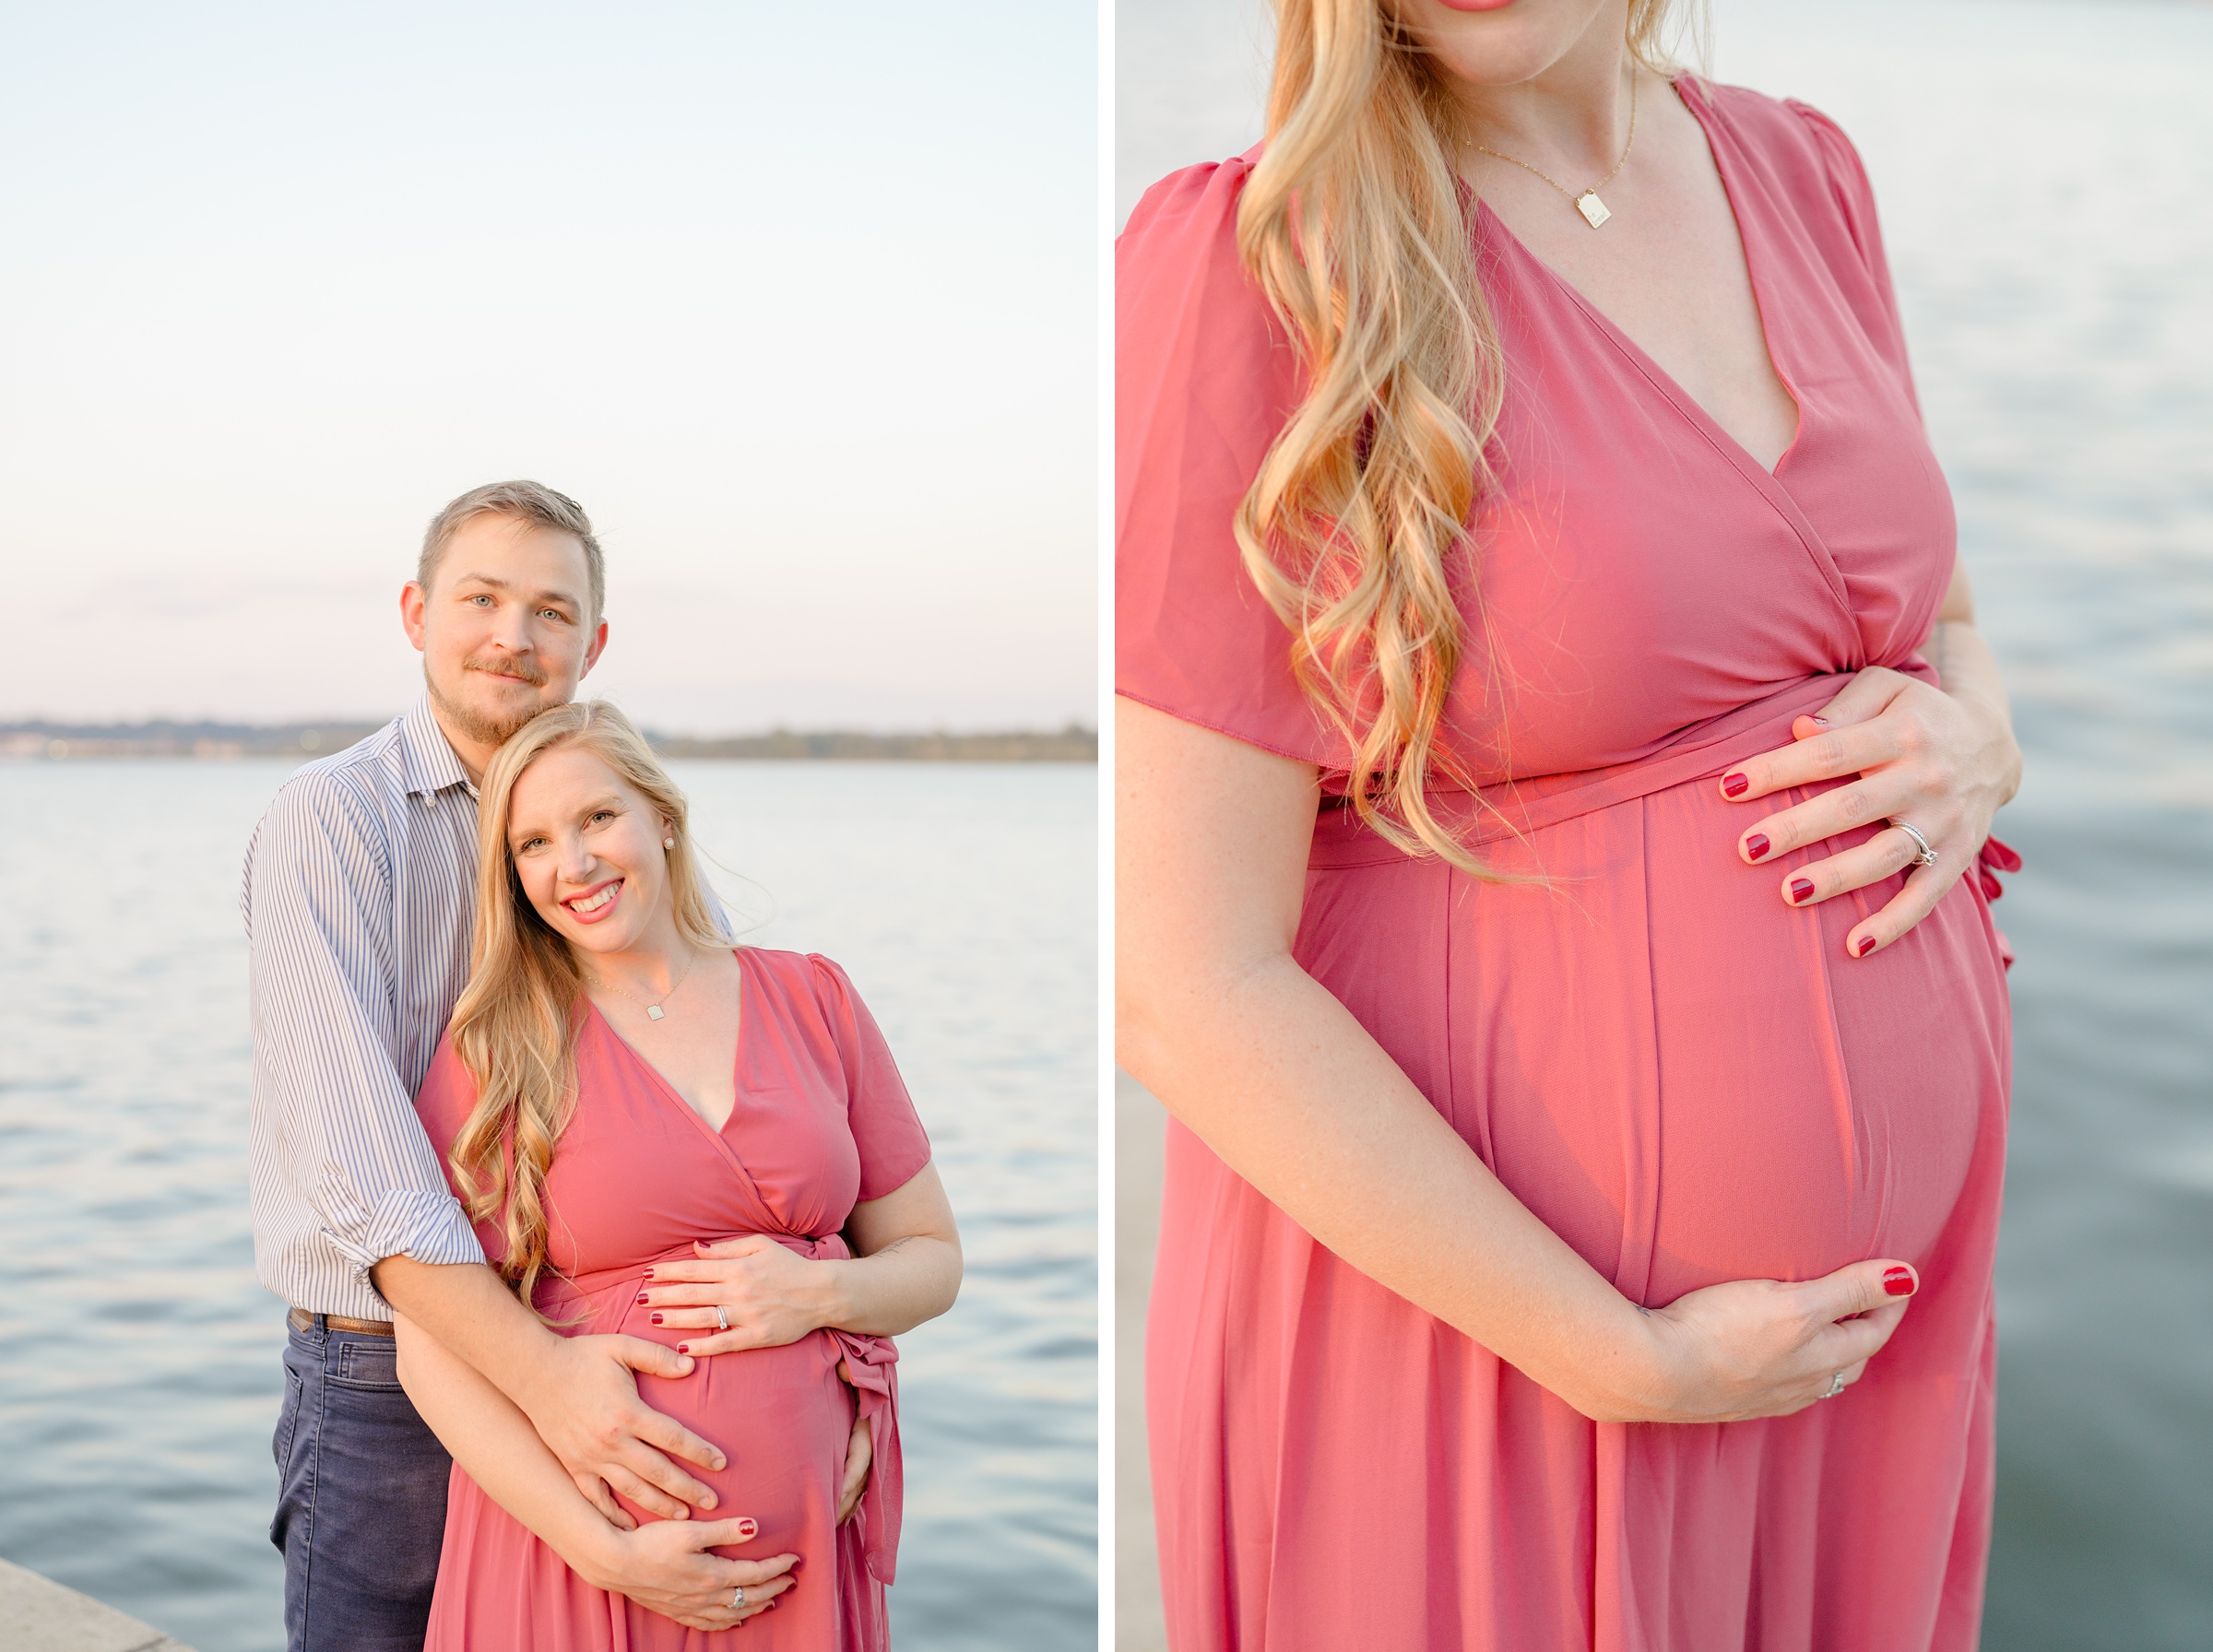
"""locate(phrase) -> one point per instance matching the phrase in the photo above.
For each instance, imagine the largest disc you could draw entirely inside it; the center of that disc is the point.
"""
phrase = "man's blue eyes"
(480, 599)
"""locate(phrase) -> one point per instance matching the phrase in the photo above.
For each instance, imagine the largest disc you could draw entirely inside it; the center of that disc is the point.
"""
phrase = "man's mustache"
(508, 667)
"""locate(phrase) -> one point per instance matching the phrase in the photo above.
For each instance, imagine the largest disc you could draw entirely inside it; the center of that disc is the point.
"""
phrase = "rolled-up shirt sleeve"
(335, 1132)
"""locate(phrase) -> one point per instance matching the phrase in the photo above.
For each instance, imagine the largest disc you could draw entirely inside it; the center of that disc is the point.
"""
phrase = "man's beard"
(487, 731)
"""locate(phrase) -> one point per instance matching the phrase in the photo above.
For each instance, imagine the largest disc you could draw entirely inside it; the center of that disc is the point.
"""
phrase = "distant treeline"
(57, 742)
(1074, 744)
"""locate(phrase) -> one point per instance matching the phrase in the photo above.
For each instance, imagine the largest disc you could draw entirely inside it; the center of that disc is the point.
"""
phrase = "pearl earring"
(667, 843)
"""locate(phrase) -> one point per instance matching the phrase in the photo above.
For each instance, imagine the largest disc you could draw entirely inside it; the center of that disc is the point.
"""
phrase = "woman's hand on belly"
(665, 1567)
(1943, 761)
(860, 1452)
(1763, 1348)
(904, 1268)
(769, 1296)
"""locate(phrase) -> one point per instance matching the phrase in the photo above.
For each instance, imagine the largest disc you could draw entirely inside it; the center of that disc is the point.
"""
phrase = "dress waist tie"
(1517, 808)
(866, 1364)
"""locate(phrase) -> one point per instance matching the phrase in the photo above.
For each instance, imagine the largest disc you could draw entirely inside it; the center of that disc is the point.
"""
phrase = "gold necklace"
(1593, 209)
(653, 1011)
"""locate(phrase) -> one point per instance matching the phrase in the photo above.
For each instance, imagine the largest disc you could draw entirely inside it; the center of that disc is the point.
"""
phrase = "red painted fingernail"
(1864, 946)
(641, 1299)
(657, 1319)
(1898, 1282)
(649, 1273)
(747, 1529)
(1755, 845)
(1801, 887)
(683, 1347)
(1737, 785)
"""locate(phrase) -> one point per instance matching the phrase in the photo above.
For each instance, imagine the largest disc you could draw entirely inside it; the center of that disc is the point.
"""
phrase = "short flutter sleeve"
(1855, 198)
(886, 1129)
(1204, 379)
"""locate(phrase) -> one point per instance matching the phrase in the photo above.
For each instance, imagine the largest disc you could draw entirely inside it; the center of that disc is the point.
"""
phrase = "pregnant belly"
(781, 1415)
(1686, 1079)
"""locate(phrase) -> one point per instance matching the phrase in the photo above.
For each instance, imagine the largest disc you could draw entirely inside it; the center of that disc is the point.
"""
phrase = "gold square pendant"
(1593, 209)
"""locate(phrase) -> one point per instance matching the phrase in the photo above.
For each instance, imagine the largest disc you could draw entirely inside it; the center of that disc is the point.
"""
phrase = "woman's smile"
(595, 903)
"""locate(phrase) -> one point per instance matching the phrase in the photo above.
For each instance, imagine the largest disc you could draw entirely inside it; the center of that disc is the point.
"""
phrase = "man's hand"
(577, 1391)
(584, 1402)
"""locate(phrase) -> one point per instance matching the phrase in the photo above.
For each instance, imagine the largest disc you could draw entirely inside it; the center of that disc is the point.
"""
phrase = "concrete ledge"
(38, 1614)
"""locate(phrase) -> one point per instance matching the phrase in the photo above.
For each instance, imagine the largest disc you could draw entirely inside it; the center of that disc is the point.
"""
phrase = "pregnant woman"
(1553, 733)
(659, 1135)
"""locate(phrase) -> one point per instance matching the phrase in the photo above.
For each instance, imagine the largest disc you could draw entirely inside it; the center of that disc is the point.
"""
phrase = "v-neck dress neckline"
(1765, 310)
(1768, 484)
(659, 1082)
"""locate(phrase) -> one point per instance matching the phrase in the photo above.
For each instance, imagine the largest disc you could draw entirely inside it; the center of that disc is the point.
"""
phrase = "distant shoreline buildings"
(67, 742)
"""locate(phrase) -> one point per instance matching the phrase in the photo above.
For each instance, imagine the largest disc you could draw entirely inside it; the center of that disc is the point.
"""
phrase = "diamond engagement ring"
(1927, 857)
(1835, 1387)
(737, 1596)
(722, 1320)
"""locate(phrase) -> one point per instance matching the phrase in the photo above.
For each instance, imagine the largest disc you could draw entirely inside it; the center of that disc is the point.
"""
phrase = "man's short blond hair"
(521, 502)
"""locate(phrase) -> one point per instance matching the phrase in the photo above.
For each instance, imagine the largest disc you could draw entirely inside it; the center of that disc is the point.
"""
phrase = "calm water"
(2045, 172)
(139, 1359)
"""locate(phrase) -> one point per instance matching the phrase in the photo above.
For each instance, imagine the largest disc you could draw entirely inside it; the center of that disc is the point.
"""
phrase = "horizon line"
(121, 727)
(35, 740)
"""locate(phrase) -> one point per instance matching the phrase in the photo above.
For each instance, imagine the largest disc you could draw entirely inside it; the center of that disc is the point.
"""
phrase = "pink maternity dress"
(1686, 1078)
(821, 1121)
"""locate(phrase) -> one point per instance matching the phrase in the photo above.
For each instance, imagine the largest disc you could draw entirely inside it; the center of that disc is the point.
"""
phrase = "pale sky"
(798, 301)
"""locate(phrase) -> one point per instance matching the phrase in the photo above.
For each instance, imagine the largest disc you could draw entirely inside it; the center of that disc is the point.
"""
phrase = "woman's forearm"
(1970, 675)
(912, 1278)
(1212, 842)
(1963, 660)
(907, 1261)
(1966, 665)
(494, 1442)
(1275, 1075)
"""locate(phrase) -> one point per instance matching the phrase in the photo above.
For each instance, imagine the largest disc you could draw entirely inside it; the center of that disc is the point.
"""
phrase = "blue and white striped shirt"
(359, 902)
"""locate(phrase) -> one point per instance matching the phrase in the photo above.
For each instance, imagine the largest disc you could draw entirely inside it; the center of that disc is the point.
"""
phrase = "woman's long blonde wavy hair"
(515, 1028)
(1356, 225)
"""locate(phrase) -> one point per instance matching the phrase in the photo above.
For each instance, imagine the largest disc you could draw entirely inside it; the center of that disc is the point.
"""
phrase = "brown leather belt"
(304, 1321)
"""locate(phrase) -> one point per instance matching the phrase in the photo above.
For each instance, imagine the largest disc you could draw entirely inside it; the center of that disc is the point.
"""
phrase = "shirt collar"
(427, 756)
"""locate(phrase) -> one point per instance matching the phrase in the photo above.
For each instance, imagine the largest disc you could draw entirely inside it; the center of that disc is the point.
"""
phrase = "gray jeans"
(361, 1502)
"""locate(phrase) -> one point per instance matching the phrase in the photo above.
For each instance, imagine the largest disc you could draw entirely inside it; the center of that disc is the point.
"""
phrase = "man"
(359, 902)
